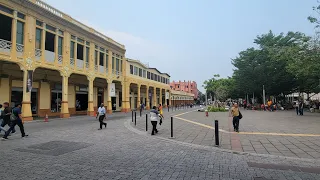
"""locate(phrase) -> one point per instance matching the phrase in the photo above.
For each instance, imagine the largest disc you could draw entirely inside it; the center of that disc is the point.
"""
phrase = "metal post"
(168, 108)
(216, 130)
(171, 127)
(146, 122)
(135, 118)
(132, 116)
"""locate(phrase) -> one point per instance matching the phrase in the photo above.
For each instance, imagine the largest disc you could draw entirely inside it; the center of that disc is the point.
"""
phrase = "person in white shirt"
(102, 115)
(154, 117)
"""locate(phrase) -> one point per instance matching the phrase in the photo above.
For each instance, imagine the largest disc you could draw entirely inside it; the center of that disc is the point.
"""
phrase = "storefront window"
(16, 98)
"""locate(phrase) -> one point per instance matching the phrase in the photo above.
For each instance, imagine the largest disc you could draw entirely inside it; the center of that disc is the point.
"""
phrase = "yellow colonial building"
(55, 65)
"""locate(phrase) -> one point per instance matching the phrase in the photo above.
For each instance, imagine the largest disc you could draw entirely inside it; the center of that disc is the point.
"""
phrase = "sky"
(189, 39)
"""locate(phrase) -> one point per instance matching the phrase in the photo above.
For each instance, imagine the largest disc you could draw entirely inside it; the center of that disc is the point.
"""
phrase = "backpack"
(13, 117)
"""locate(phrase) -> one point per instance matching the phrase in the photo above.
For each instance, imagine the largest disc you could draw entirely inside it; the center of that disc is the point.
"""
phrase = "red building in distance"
(185, 86)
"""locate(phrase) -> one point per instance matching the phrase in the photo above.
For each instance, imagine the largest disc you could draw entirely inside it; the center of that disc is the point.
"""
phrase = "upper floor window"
(20, 30)
(38, 38)
(135, 70)
(144, 73)
(131, 69)
(140, 72)
(148, 75)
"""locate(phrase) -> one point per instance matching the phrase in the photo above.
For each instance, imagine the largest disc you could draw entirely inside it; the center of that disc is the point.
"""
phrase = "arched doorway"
(78, 94)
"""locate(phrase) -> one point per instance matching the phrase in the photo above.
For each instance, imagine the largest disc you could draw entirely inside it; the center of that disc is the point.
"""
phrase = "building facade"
(57, 66)
(179, 98)
(185, 86)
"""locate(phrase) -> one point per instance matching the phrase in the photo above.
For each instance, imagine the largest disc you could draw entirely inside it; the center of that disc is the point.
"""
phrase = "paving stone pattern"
(284, 122)
(122, 152)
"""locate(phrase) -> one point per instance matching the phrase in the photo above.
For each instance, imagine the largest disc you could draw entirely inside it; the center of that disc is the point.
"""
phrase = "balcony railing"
(79, 63)
(87, 65)
(72, 62)
(118, 73)
(60, 57)
(20, 49)
(101, 69)
(50, 56)
(5, 46)
(38, 54)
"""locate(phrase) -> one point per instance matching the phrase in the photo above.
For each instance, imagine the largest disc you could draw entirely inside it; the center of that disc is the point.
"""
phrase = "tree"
(221, 88)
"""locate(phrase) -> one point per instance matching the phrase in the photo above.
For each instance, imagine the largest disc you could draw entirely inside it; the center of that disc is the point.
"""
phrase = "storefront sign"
(167, 95)
(112, 90)
(29, 81)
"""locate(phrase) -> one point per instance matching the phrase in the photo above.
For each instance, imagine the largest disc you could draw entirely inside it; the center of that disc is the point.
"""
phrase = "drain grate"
(54, 148)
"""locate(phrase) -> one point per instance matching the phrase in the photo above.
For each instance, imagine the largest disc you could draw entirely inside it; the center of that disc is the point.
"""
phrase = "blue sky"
(189, 39)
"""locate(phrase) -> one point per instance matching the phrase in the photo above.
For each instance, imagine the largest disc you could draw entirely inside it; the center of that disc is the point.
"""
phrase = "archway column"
(147, 97)
(109, 103)
(26, 99)
(126, 96)
(64, 103)
(154, 97)
(160, 97)
(90, 98)
(138, 96)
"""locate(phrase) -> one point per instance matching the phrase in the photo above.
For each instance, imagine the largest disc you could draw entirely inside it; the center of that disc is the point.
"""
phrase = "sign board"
(167, 95)
(29, 81)
(112, 90)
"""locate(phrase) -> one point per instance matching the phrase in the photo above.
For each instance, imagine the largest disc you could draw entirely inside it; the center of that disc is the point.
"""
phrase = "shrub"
(216, 109)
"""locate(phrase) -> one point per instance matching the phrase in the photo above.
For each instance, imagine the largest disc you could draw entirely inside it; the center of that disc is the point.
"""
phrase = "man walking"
(102, 116)
(235, 114)
(154, 115)
(5, 114)
(16, 119)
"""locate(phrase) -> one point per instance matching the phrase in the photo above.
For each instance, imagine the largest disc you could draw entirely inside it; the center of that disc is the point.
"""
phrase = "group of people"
(11, 117)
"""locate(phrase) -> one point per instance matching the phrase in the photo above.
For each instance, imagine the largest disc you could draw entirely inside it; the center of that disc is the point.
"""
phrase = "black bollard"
(135, 118)
(146, 122)
(216, 130)
(171, 127)
(132, 116)
(168, 108)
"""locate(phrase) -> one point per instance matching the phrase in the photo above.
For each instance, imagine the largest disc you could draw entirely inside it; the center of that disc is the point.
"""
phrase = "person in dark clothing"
(16, 119)
(301, 108)
(5, 115)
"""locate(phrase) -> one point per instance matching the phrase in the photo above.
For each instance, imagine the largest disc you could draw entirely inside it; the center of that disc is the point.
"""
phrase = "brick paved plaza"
(75, 149)
(276, 133)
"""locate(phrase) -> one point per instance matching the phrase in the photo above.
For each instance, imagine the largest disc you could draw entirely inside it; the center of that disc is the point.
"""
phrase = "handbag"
(13, 117)
(240, 115)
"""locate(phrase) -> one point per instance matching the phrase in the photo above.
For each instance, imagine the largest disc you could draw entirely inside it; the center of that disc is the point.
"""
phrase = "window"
(20, 29)
(131, 69)
(158, 78)
(60, 45)
(155, 77)
(135, 71)
(5, 9)
(87, 54)
(151, 76)
(20, 15)
(107, 60)
(113, 63)
(72, 50)
(96, 57)
(50, 28)
(144, 73)
(38, 38)
(121, 65)
(148, 75)
(117, 64)
(140, 72)
(39, 23)
(187, 86)
(101, 59)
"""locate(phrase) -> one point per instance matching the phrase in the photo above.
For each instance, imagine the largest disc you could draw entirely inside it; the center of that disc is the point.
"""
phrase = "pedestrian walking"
(154, 116)
(301, 108)
(297, 107)
(102, 115)
(1, 119)
(5, 114)
(235, 113)
(16, 119)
